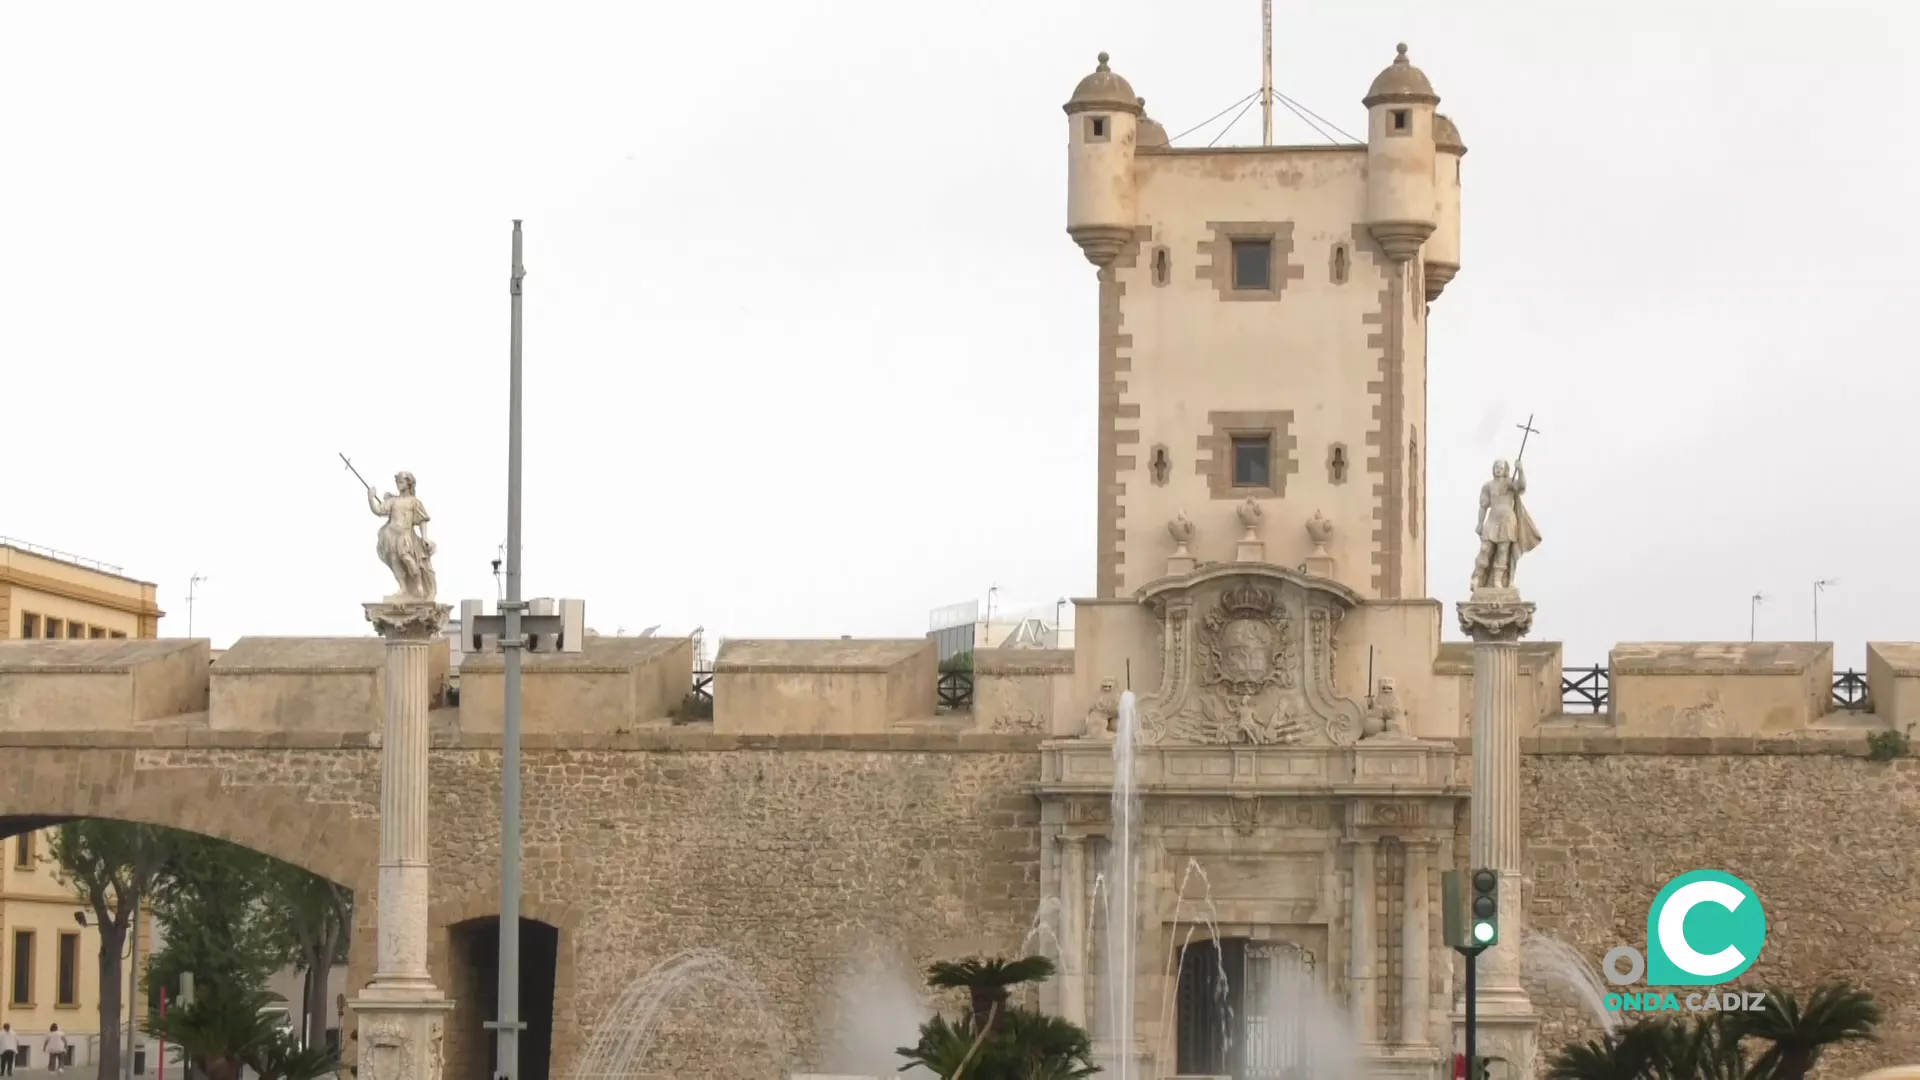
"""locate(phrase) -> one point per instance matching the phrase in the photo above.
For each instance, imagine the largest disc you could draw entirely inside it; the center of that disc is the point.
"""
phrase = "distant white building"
(963, 627)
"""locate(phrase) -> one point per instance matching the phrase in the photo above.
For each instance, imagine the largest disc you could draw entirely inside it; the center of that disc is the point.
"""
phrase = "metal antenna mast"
(193, 588)
(1266, 72)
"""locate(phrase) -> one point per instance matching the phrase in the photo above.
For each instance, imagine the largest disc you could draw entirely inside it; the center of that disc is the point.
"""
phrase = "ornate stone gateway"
(1249, 658)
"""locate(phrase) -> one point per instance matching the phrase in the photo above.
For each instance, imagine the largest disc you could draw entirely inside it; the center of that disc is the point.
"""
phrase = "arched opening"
(473, 974)
(1230, 1019)
(256, 932)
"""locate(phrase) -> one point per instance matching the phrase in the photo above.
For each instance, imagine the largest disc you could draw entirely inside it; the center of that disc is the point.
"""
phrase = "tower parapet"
(1401, 206)
(1102, 127)
(1441, 256)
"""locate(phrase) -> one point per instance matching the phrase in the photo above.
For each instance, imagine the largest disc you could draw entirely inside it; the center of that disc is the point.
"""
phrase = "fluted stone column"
(1363, 1000)
(401, 1012)
(1416, 934)
(1496, 620)
(1073, 920)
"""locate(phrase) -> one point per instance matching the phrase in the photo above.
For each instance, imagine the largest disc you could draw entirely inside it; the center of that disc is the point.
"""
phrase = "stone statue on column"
(1496, 618)
(401, 1014)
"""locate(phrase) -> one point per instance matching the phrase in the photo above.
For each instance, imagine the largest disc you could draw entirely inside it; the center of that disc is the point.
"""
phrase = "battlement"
(333, 687)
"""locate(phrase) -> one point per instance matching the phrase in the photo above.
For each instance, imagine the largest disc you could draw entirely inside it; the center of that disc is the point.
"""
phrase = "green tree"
(994, 1039)
(218, 903)
(314, 917)
(1798, 1034)
(229, 1029)
(111, 866)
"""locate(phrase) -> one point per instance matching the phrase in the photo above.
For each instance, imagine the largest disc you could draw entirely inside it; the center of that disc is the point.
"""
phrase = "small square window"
(56, 629)
(96, 632)
(1253, 265)
(1401, 120)
(29, 625)
(76, 630)
(1253, 461)
(1097, 129)
(116, 633)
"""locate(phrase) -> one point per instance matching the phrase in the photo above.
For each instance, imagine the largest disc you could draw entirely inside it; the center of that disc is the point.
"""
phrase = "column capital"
(1495, 616)
(408, 620)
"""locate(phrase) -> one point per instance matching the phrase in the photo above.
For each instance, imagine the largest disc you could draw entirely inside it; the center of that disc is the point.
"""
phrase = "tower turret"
(1401, 205)
(1102, 126)
(1150, 131)
(1442, 253)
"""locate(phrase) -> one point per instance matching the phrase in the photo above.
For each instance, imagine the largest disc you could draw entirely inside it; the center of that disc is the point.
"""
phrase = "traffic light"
(1470, 909)
(1485, 906)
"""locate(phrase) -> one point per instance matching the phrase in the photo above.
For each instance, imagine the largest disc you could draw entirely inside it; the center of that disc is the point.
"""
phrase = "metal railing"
(1590, 690)
(61, 556)
(703, 682)
(955, 690)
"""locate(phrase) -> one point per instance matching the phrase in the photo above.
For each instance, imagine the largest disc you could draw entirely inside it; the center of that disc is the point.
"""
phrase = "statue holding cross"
(1506, 529)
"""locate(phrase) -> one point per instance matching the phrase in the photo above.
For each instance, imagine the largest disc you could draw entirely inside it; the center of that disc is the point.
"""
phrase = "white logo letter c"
(1673, 932)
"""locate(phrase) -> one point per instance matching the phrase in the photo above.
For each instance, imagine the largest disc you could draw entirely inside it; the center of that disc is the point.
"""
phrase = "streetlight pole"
(508, 1024)
(1753, 617)
(1818, 586)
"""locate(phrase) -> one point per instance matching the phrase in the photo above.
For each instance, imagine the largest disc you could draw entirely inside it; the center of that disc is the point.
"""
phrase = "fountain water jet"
(625, 1035)
(879, 1008)
(1561, 965)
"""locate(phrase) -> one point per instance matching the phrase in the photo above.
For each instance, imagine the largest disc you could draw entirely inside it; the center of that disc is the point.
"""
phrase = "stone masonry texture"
(796, 856)
(792, 862)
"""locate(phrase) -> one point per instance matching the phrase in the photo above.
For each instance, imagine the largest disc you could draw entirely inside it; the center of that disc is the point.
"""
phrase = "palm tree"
(988, 982)
(1834, 1013)
(1710, 1046)
(996, 1040)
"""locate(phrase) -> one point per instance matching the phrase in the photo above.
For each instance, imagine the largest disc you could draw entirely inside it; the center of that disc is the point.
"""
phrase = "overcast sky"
(809, 352)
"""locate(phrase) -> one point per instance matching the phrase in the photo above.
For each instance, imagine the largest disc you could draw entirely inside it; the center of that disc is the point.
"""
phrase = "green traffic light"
(1483, 933)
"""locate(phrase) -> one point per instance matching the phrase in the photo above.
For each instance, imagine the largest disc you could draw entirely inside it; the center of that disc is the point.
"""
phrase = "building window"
(1400, 121)
(23, 851)
(1160, 465)
(1096, 129)
(1253, 265)
(117, 634)
(1252, 461)
(56, 629)
(1162, 266)
(29, 625)
(76, 631)
(1340, 261)
(67, 987)
(1337, 464)
(96, 631)
(22, 968)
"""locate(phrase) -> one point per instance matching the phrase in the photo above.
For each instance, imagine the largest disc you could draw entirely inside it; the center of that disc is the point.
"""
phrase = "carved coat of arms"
(1244, 672)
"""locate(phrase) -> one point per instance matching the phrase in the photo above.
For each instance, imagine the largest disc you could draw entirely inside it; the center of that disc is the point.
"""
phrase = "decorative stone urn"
(1182, 529)
(1320, 532)
(1251, 549)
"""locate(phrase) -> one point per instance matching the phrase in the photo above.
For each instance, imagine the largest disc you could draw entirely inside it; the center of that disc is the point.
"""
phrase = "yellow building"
(50, 594)
(50, 961)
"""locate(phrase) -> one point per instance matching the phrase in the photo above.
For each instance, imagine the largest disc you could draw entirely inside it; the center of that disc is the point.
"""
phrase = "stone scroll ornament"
(1242, 673)
(402, 543)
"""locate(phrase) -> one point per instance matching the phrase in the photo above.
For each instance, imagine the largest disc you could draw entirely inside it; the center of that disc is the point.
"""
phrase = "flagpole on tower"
(1266, 72)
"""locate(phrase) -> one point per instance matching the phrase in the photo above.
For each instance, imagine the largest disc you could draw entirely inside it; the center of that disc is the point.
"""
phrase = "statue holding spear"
(1506, 529)
(402, 545)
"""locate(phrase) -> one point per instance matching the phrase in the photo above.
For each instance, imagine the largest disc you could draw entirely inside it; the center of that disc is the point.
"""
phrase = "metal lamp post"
(515, 629)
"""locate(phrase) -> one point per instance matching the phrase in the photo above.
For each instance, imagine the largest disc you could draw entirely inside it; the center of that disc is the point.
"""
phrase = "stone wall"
(792, 855)
(1826, 837)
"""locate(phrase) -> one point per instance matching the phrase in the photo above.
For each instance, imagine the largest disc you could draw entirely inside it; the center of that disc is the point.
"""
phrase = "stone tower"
(1263, 334)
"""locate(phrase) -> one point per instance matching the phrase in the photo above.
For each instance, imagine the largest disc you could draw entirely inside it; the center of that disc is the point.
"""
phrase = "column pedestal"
(1496, 620)
(401, 1014)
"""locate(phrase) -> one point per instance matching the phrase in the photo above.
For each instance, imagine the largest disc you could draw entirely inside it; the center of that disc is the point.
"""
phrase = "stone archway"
(42, 786)
(466, 936)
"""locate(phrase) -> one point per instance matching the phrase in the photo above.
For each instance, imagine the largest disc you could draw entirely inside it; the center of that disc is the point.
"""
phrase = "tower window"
(1162, 266)
(1340, 260)
(1160, 465)
(1253, 265)
(1337, 464)
(1097, 129)
(1253, 461)
(1400, 121)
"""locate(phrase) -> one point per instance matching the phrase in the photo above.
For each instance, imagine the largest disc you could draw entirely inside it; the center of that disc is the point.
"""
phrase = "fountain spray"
(1122, 935)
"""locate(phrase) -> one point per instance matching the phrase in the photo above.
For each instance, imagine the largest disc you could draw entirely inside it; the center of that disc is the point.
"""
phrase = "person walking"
(9, 1049)
(55, 1047)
